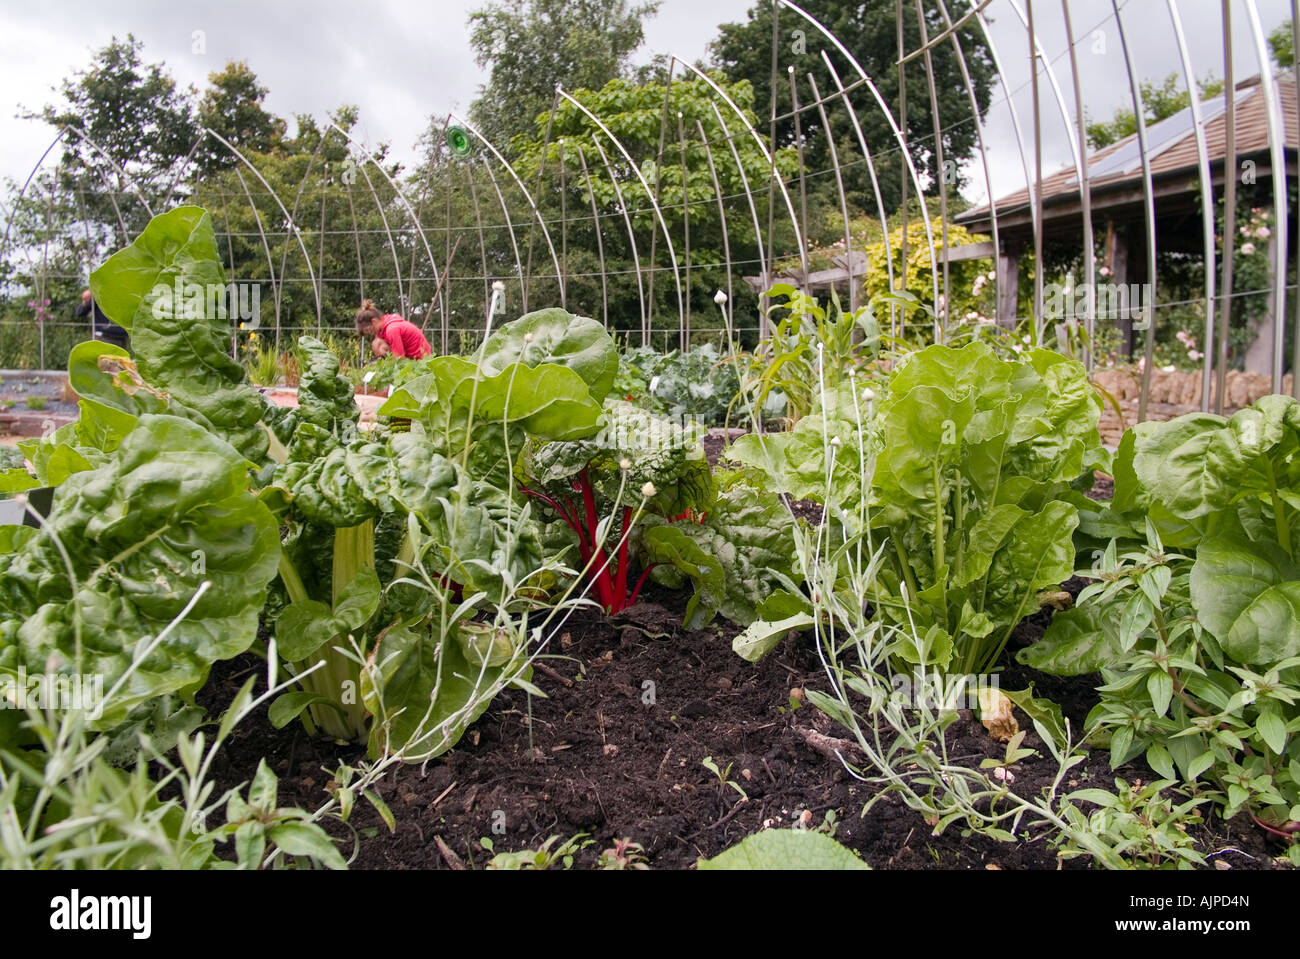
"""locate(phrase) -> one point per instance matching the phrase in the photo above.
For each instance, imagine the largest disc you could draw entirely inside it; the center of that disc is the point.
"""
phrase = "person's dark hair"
(367, 315)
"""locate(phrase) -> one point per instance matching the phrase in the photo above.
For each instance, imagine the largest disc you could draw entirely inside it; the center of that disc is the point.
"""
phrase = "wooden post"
(1117, 256)
(1008, 283)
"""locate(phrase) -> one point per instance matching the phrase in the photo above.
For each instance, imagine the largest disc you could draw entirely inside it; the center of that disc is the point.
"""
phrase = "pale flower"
(1248, 248)
(719, 298)
(648, 490)
(1104, 271)
(1262, 233)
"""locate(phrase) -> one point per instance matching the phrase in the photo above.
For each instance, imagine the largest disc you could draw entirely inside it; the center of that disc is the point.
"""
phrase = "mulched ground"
(598, 757)
(602, 758)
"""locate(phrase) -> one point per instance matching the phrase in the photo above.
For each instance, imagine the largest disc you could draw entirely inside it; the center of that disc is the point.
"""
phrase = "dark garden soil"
(633, 706)
(603, 757)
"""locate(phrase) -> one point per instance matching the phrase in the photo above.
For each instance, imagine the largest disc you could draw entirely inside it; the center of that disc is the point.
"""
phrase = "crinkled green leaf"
(558, 337)
(178, 341)
(169, 510)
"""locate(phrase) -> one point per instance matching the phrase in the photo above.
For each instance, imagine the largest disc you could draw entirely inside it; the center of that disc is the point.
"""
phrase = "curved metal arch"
(514, 242)
(898, 135)
(600, 243)
(276, 289)
(532, 204)
(631, 233)
(939, 168)
(871, 170)
(383, 218)
(1148, 196)
(1030, 187)
(951, 30)
(722, 220)
(1042, 57)
(663, 225)
(1085, 198)
(111, 193)
(1277, 159)
(1207, 198)
(120, 169)
(404, 201)
(839, 184)
(275, 196)
(749, 197)
(293, 213)
(768, 156)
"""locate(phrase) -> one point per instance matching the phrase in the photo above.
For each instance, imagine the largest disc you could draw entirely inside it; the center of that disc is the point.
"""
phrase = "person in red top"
(403, 337)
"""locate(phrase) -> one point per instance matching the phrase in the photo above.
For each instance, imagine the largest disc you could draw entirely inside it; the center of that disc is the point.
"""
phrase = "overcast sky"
(401, 61)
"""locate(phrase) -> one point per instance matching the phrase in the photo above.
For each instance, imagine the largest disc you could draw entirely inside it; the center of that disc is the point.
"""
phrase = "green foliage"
(1200, 653)
(785, 849)
(1140, 822)
(968, 492)
(159, 289)
(1281, 43)
(555, 336)
(233, 107)
(530, 46)
(325, 397)
(543, 857)
(125, 550)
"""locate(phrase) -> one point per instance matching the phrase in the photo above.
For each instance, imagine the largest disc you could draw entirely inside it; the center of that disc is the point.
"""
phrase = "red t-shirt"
(403, 337)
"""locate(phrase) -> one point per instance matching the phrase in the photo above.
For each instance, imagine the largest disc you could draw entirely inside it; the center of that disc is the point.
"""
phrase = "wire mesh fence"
(1172, 245)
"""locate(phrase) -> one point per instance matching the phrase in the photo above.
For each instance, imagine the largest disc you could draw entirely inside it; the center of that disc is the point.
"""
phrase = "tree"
(1281, 44)
(232, 106)
(870, 31)
(633, 112)
(529, 46)
(1159, 101)
(129, 133)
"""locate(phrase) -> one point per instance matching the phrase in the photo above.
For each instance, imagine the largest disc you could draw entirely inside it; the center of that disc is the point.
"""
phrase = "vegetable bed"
(601, 762)
(513, 618)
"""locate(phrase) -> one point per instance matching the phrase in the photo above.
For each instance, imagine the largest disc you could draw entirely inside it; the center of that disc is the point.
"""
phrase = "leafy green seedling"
(724, 776)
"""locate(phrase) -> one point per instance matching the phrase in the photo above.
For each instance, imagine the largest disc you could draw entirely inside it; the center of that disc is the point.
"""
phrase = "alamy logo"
(938, 692)
(104, 913)
(209, 301)
(58, 691)
(1110, 301)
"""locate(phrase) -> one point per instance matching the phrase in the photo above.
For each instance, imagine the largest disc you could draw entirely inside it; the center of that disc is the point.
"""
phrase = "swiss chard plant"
(959, 476)
(639, 464)
(125, 549)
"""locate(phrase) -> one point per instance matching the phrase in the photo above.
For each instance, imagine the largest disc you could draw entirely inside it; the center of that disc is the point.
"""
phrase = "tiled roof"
(1171, 144)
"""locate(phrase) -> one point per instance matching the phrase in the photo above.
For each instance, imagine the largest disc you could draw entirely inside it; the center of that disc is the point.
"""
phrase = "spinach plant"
(962, 472)
(1194, 622)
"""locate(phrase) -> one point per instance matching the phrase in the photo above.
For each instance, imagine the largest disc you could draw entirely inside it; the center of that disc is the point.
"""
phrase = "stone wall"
(1172, 394)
